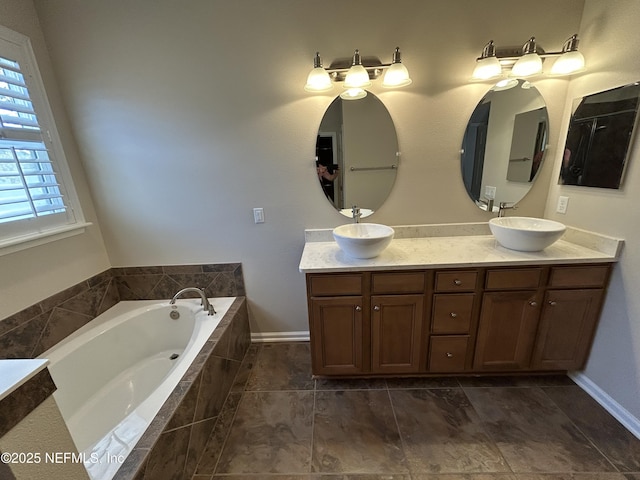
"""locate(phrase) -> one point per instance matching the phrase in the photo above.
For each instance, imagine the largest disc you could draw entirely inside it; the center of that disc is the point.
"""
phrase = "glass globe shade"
(357, 77)
(527, 65)
(396, 75)
(568, 63)
(487, 68)
(318, 80)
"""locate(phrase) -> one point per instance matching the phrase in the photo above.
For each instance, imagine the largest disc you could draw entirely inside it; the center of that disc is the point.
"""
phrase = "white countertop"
(16, 372)
(454, 245)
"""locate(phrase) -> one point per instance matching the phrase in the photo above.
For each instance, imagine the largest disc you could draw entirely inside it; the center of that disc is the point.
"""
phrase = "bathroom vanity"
(450, 300)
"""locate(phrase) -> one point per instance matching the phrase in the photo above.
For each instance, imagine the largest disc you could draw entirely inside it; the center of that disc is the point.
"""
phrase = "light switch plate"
(258, 215)
(563, 202)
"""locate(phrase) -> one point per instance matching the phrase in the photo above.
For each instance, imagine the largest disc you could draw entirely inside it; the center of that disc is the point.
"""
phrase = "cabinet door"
(396, 333)
(567, 325)
(336, 335)
(507, 330)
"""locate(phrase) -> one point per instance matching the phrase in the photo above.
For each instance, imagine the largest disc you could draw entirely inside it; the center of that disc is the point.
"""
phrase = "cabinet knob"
(377, 308)
(457, 282)
(552, 303)
(453, 314)
(358, 308)
(533, 303)
(449, 355)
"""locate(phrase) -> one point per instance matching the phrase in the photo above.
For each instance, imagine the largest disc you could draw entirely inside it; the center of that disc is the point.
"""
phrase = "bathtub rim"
(125, 310)
(122, 311)
(134, 466)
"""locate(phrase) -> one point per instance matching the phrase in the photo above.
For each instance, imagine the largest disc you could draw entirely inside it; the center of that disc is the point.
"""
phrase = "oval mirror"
(356, 154)
(504, 144)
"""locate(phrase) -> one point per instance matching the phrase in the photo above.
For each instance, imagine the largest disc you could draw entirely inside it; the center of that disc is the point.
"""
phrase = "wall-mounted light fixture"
(356, 73)
(527, 61)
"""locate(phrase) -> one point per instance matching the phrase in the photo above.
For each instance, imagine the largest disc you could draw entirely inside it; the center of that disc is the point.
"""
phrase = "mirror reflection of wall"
(363, 157)
(504, 144)
(599, 137)
(527, 145)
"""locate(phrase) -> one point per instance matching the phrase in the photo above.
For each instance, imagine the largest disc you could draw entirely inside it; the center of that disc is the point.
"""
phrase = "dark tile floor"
(284, 425)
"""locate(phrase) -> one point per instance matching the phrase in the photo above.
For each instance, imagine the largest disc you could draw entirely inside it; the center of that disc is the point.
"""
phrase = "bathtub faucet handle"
(205, 301)
(206, 304)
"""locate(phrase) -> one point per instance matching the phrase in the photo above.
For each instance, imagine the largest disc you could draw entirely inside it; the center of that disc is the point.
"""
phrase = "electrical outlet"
(490, 192)
(258, 215)
(563, 202)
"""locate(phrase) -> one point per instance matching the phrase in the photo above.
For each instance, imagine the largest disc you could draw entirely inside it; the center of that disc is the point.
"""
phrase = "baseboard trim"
(272, 337)
(620, 413)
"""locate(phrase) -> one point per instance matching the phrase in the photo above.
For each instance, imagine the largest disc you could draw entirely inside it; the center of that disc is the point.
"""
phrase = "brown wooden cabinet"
(380, 331)
(396, 333)
(337, 335)
(507, 330)
(484, 320)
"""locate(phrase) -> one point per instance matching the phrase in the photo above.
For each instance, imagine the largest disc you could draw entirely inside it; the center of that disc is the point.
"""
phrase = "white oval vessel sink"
(526, 234)
(363, 240)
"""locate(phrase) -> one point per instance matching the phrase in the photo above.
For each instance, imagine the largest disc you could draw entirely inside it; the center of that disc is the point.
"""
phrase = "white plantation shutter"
(33, 197)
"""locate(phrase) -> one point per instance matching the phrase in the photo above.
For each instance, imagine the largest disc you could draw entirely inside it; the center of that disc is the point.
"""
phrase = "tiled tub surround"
(174, 443)
(35, 329)
(175, 440)
(454, 245)
(39, 327)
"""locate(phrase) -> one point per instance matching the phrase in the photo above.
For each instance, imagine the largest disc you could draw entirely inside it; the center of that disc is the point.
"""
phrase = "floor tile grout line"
(313, 429)
(584, 434)
(403, 445)
(485, 430)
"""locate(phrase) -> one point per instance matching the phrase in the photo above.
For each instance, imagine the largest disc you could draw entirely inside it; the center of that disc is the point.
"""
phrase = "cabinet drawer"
(452, 312)
(460, 281)
(410, 282)
(332, 285)
(513, 279)
(579, 276)
(448, 353)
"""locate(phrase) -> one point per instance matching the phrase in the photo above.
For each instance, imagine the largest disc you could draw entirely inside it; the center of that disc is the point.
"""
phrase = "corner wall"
(610, 43)
(29, 276)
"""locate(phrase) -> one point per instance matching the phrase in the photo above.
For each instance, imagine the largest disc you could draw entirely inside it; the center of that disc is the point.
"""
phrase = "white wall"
(28, 276)
(610, 42)
(188, 114)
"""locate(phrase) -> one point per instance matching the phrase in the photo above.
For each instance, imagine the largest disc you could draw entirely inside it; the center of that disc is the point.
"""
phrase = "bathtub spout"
(205, 301)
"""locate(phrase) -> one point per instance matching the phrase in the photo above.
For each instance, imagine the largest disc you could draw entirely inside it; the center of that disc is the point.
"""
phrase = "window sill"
(24, 242)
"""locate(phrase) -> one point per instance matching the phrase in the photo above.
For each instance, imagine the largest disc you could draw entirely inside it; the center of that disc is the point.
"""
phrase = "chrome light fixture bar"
(356, 74)
(527, 61)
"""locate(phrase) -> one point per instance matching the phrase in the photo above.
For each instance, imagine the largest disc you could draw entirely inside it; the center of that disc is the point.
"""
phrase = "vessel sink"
(526, 234)
(363, 240)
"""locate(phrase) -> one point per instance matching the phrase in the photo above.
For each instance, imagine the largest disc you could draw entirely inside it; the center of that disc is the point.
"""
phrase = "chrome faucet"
(488, 202)
(205, 301)
(502, 206)
(356, 214)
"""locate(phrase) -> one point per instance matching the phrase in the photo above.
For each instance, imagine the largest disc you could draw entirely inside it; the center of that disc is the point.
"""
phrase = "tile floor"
(281, 424)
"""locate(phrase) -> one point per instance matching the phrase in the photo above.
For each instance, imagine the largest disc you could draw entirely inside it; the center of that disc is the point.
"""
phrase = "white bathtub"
(114, 373)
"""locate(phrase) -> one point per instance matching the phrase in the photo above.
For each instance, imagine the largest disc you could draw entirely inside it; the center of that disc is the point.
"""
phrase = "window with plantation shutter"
(36, 195)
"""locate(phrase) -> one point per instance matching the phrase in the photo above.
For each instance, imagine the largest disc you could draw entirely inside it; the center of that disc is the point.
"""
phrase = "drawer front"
(579, 276)
(452, 312)
(513, 279)
(334, 285)
(460, 281)
(410, 282)
(448, 353)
